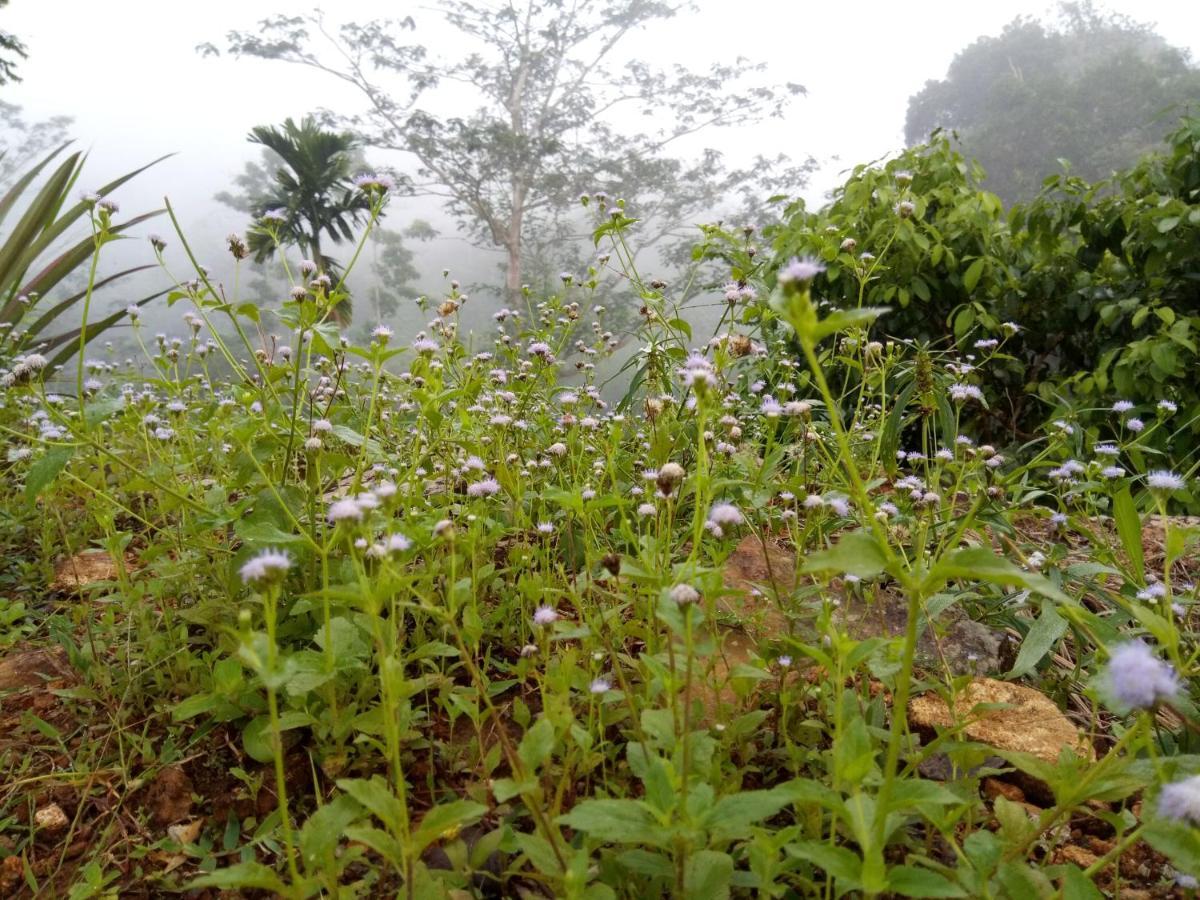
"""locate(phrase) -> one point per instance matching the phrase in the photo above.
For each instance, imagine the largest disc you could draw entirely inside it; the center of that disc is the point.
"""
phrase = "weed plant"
(465, 613)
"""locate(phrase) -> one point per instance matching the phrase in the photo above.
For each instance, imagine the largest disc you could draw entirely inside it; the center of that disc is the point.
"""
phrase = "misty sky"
(128, 72)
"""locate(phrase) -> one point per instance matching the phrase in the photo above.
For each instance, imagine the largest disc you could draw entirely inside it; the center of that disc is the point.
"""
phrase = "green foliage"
(1099, 280)
(310, 194)
(439, 622)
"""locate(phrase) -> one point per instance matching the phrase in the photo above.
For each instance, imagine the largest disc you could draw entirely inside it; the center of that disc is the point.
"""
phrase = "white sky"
(128, 72)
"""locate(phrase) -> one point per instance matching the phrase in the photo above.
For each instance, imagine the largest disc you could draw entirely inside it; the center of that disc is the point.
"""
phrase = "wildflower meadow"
(594, 603)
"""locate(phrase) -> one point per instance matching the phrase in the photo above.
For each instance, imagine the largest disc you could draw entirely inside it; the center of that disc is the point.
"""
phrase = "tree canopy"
(1096, 90)
(544, 87)
(11, 49)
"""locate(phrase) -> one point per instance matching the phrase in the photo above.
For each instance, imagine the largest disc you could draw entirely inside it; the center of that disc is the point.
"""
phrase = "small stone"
(84, 569)
(185, 833)
(1031, 723)
(994, 787)
(11, 874)
(50, 819)
(33, 668)
(1070, 853)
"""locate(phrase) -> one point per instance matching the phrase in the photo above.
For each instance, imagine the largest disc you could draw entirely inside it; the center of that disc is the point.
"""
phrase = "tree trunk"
(512, 246)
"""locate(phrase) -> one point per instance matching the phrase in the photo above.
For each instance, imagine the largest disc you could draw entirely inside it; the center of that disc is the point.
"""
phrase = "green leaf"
(982, 564)
(443, 820)
(193, 706)
(1020, 880)
(1129, 529)
(1178, 841)
(732, 816)
(344, 640)
(242, 875)
(1031, 765)
(540, 853)
(354, 439)
(839, 862)
(1015, 825)
(378, 797)
(857, 553)
(841, 319)
(1162, 630)
(707, 875)
(378, 840)
(264, 532)
(95, 413)
(256, 736)
(1039, 641)
(1091, 570)
(537, 744)
(618, 821)
(973, 274)
(323, 831)
(45, 469)
(808, 791)
(854, 753)
(1077, 886)
(910, 881)
(919, 792)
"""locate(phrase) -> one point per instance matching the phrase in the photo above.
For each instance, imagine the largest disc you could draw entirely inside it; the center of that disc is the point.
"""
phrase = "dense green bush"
(1101, 278)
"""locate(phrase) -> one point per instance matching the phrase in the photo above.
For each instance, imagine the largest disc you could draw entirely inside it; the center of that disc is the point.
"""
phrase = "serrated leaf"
(1178, 841)
(377, 796)
(256, 736)
(265, 533)
(1077, 886)
(732, 816)
(617, 821)
(324, 829)
(707, 874)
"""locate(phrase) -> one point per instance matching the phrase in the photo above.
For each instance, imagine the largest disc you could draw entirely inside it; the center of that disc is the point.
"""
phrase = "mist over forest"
(1078, 86)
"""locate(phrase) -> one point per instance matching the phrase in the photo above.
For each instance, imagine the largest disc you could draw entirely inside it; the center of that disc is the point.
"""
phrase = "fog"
(128, 72)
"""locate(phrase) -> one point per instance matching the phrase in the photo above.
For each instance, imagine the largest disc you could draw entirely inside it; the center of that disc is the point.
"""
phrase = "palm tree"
(312, 189)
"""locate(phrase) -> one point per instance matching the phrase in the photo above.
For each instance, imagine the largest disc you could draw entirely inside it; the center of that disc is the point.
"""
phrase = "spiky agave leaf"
(32, 239)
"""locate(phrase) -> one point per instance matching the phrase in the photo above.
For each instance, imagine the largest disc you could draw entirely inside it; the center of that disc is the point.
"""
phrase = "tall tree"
(22, 141)
(311, 192)
(546, 85)
(1096, 90)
